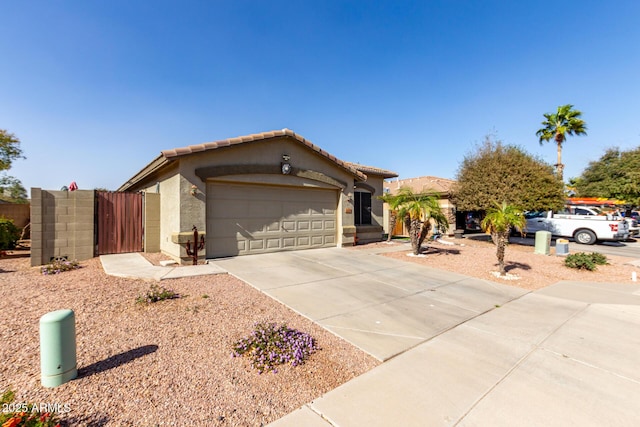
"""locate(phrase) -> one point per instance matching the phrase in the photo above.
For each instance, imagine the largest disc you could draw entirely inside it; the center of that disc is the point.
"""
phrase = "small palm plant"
(421, 213)
(498, 222)
(393, 201)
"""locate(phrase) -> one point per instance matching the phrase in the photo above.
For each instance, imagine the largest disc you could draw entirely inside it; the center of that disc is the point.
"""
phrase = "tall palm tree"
(498, 222)
(558, 125)
(421, 213)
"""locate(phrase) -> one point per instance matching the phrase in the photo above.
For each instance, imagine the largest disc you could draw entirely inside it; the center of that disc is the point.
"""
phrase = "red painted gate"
(119, 222)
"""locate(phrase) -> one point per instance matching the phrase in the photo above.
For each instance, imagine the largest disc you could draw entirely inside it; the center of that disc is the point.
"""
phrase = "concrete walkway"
(458, 350)
(134, 265)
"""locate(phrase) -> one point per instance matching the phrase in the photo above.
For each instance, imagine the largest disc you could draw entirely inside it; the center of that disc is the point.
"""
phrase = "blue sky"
(96, 89)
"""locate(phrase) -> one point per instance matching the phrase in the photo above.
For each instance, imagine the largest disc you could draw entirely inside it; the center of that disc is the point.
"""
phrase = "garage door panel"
(247, 218)
(263, 209)
(288, 242)
(273, 243)
(274, 227)
(256, 244)
(304, 225)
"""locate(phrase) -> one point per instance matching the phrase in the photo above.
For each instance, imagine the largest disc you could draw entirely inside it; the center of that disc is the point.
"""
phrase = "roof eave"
(145, 172)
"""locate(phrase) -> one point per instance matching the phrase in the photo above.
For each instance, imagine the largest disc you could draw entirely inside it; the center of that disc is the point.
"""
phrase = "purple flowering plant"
(58, 266)
(270, 345)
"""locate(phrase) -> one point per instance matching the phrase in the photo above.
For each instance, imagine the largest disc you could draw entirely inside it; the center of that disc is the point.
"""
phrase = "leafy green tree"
(11, 190)
(496, 173)
(9, 149)
(420, 213)
(616, 175)
(566, 121)
(498, 222)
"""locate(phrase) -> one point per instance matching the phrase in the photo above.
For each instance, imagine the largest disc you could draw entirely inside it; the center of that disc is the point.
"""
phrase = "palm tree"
(558, 125)
(421, 213)
(393, 201)
(498, 222)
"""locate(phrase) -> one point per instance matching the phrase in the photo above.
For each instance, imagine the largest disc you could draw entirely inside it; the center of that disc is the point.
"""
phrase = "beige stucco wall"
(373, 232)
(181, 210)
(167, 186)
(263, 153)
(151, 222)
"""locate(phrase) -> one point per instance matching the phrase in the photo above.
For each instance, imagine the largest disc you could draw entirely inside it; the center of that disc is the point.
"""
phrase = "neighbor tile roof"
(423, 184)
(373, 170)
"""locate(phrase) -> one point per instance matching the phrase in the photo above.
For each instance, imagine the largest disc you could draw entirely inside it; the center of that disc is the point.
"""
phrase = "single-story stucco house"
(259, 193)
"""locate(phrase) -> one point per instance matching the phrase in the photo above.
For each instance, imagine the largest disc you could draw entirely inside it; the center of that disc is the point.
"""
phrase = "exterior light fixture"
(285, 166)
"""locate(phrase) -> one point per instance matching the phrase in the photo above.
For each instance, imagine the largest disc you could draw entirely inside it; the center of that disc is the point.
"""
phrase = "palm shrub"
(498, 222)
(420, 212)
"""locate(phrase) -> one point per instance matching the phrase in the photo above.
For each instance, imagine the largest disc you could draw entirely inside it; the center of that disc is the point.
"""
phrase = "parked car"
(582, 224)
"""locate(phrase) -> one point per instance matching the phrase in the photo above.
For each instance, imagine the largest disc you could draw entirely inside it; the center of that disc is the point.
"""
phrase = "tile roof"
(167, 156)
(191, 149)
(422, 184)
(372, 170)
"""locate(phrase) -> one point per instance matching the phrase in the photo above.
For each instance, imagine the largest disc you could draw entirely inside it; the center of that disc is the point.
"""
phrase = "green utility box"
(543, 243)
(58, 348)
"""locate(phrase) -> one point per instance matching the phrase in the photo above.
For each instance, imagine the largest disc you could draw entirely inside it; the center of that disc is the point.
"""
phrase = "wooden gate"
(119, 222)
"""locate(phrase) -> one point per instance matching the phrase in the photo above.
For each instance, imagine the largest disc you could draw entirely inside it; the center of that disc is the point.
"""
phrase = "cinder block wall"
(62, 225)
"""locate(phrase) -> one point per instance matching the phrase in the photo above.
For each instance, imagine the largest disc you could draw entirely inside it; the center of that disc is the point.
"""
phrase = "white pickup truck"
(585, 225)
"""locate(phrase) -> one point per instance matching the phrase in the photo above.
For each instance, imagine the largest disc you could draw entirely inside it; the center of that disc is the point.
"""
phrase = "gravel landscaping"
(170, 362)
(476, 257)
(166, 363)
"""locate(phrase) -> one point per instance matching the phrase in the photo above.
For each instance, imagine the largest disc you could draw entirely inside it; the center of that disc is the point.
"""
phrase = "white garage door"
(246, 219)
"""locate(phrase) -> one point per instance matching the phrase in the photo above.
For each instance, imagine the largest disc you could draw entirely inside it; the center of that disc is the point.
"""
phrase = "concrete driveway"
(467, 352)
(381, 305)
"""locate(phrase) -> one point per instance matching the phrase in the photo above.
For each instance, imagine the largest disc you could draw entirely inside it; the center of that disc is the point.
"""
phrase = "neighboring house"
(431, 185)
(266, 192)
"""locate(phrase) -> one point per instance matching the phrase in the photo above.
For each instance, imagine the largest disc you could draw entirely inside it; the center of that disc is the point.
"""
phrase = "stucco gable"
(168, 156)
(191, 149)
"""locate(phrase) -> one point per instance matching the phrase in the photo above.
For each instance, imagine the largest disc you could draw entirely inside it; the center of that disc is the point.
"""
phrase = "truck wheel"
(585, 237)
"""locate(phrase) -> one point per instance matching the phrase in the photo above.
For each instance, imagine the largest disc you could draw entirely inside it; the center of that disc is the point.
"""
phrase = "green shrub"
(584, 261)
(58, 266)
(24, 414)
(9, 234)
(270, 345)
(156, 293)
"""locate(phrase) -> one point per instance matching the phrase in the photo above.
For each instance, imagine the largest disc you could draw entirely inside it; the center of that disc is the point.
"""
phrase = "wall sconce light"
(194, 190)
(285, 166)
